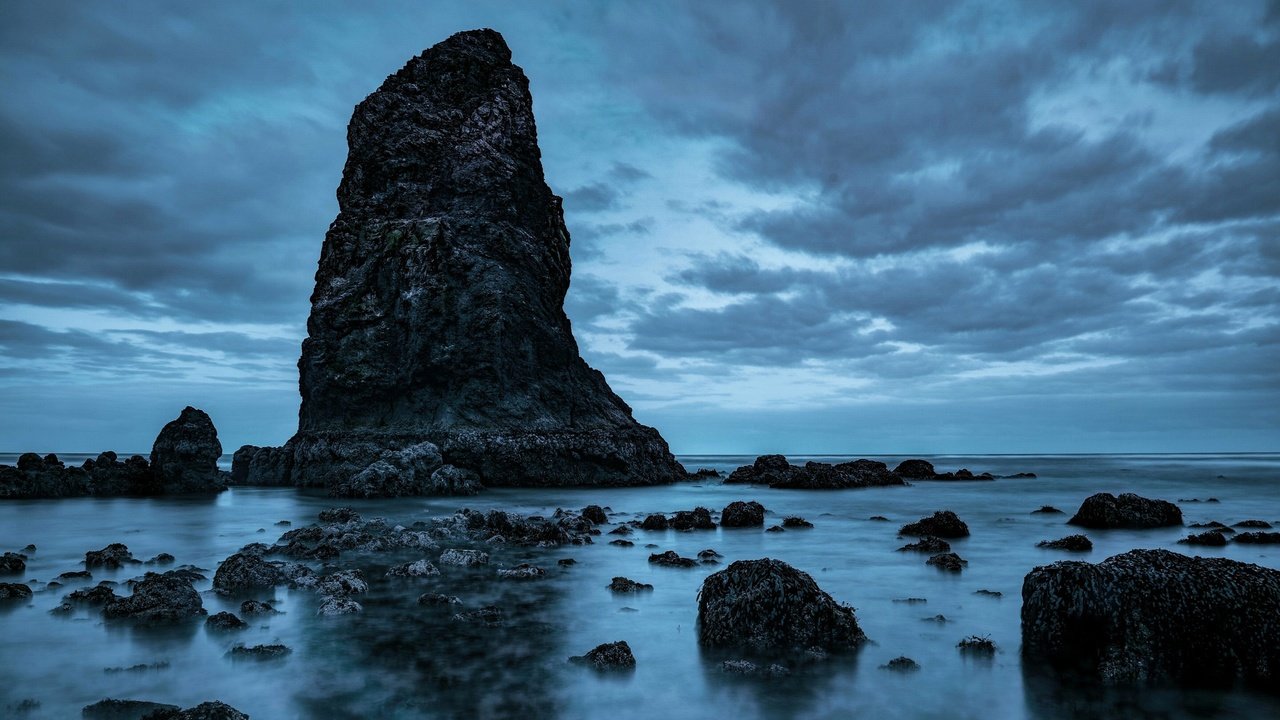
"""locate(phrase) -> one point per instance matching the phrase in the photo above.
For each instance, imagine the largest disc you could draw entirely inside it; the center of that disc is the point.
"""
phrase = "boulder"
(463, 558)
(259, 652)
(204, 711)
(796, 522)
(766, 470)
(929, 544)
(1258, 538)
(902, 663)
(1071, 543)
(655, 522)
(698, 518)
(1128, 510)
(224, 621)
(595, 514)
(417, 469)
(1155, 616)
(523, 571)
(1211, 538)
(771, 608)
(418, 568)
(610, 656)
(113, 556)
(339, 605)
(915, 469)
(742, 514)
(166, 597)
(943, 524)
(950, 562)
(625, 585)
(12, 563)
(342, 583)
(185, 455)
(14, 591)
(671, 559)
(246, 571)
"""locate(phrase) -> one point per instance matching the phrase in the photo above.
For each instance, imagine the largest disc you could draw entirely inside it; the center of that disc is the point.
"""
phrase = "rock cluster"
(184, 459)
(769, 607)
(1155, 615)
(438, 311)
(1128, 510)
(776, 472)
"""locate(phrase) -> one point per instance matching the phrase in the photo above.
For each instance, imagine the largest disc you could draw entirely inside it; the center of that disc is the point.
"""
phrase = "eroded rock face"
(769, 607)
(1128, 510)
(438, 311)
(185, 455)
(1155, 616)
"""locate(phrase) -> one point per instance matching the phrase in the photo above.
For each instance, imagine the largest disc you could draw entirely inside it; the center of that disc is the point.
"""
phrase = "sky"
(801, 227)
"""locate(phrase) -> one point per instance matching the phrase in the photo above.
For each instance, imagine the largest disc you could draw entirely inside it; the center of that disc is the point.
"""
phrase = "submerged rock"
(418, 568)
(950, 562)
(769, 607)
(901, 663)
(929, 544)
(225, 621)
(14, 591)
(624, 585)
(943, 524)
(976, 645)
(1155, 615)
(185, 455)
(1072, 543)
(204, 711)
(1047, 510)
(488, 616)
(1258, 538)
(1211, 538)
(339, 605)
(610, 656)
(750, 669)
(157, 598)
(776, 472)
(113, 709)
(1128, 510)
(256, 607)
(12, 563)
(742, 514)
(669, 558)
(796, 522)
(463, 558)
(438, 311)
(113, 556)
(259, 652)
(435, 599)
(523, 571)
(1254, 524)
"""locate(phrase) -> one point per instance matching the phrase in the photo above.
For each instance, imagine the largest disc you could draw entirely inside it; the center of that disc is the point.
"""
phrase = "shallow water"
(400, 660)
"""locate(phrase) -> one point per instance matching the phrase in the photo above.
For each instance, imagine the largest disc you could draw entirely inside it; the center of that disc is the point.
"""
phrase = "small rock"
(339, 515)
(203, 711)
(1072, 543)
(566, 562)
(621, 543)
(112, 709)
(341, 583)
(709, 556)
(974, 645)
(166, 597)
(113, 556)
(950, 562)
(989, 593)
(929, 544)
(742, 514)
(943, 524)
(523, 571)
(433, 598)
(259, 652)
(76, 575)
(1211, 538)
(748, 668)
(464, 558)
(901, 664)
(1104, 510)
(796, 522)
(14, 591)
(911, 600)
(418, 568)
(225, 621)
(610, 656)
(671, 559)
(879, 518)
(595, 514)
(1254, 524)
(775, 529)
(655, 522)
(256, 607)
(1047, 510)
(624, 585)
(621, 530)
(488, 616)
(161, 559)
(1258, 538)
(940, 619)
(339, 605)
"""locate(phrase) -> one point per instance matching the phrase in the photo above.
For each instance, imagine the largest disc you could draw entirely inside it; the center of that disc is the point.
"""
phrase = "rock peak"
(438, 310)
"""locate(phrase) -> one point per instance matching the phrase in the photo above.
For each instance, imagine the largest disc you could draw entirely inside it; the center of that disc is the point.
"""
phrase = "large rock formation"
(438, 311)
(1104, 510)
(1155, 616)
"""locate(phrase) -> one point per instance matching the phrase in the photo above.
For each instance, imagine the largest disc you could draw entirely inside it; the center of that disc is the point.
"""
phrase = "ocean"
(400, 660)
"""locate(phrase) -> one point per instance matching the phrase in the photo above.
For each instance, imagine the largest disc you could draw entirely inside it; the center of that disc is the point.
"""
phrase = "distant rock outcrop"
(438, 311)
(776, 472)
(1155, 616)
(185, 456)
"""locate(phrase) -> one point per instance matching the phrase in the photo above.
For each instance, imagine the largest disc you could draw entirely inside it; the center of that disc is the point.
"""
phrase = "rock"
(246, 571)
(339, 515)
(36, 477)
(14, 591)
(1213, 525)
(1047, 510)
(775, 529)
(264, 466)
(341, 583)
(1072, 543)
(113, 556)
(433, 598)
(742, 514)
(989, 593)
(1155, 616)
(161, 559)
(698, 518)
(929, 544)
(796, 522)
(610, 656)
(1254, 524)
(595, 514)
(776, 472)
(109, 477)
(975, 645)
(750, 669)
(655, 522)
(339, 605)
(624, 585)
(943, 524)
(1105, 510)
(488, 616)
(112, 709)
(769, 607)
(626, 529)
(709, 556)
(621, 543)
(911, 600)
(12, 563)
(256, 607)
(185, 455)
(100, 594)
(766, 470)
(704, 474)
(950, 562)
(418, 568)
(438, 311)
(203, 711)
(241, 461)
(1211, 539)
(915, 469)
(224, 621)
(259, 652)
(523, 571)
(671, 559)
(464, 558)
(415, 470)
(566, 562)
(157, 598)
(902, 663)
(879, 518)
(1258, 538)
(940, 619)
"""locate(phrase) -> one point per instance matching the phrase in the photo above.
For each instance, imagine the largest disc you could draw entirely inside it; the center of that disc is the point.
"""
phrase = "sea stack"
(438, 310)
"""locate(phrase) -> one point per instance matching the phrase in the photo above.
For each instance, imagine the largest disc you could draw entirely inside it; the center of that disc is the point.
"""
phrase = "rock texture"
(1131, 511)
(769, 607)
(438, 311)
(1155, 616)
(185, 455)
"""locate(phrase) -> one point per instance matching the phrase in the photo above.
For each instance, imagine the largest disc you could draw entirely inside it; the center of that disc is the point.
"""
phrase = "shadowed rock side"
(1155, 616)
(438, 311)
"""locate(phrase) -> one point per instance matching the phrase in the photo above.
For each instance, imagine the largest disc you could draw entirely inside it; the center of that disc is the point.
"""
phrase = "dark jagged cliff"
(438, 311)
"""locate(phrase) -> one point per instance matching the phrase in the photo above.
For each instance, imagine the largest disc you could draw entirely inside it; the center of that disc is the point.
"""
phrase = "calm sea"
(397, 660)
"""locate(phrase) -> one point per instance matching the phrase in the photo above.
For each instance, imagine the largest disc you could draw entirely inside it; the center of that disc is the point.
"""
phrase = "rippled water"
(400, 660)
